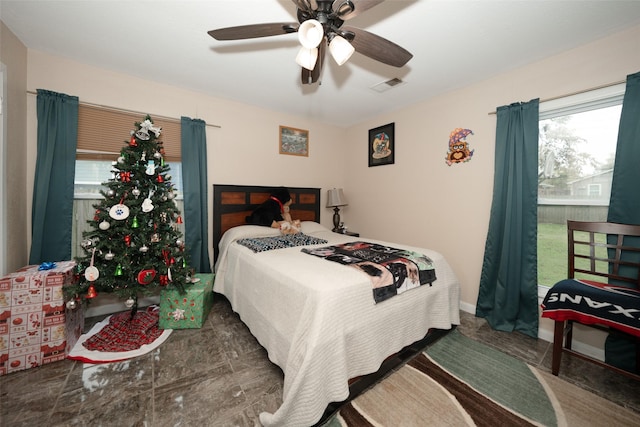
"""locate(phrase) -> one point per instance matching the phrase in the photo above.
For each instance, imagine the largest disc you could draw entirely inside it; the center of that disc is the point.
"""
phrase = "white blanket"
(317, 319)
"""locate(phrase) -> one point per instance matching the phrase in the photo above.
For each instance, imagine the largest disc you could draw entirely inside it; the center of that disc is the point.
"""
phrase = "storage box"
(189, 310)
(35, 326)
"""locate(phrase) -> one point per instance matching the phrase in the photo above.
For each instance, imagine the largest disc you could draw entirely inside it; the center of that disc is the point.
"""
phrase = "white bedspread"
(317, 319)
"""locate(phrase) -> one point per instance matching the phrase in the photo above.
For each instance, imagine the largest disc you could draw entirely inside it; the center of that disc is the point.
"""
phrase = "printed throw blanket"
(594, 302)
(391, 270)
(261, 244)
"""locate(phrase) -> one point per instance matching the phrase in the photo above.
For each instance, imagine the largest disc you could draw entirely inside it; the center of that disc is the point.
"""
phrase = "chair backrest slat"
(614, 259)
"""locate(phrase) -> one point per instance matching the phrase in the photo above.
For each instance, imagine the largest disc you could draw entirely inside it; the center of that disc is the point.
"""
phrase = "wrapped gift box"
(188, 310)
(35, 326)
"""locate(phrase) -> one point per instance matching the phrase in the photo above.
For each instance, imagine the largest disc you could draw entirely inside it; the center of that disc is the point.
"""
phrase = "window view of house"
(575, 169)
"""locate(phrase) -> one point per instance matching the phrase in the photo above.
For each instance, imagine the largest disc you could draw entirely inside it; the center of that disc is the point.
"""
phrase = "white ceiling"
(454, 43)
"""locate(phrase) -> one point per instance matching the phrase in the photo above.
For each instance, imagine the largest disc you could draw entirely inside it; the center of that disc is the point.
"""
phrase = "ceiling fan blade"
(347, 9)
(309, 77)
(378, 48)
(254, 31)
(303, 5)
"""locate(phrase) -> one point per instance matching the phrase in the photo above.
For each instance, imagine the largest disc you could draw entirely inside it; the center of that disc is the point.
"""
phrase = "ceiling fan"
(320, 25)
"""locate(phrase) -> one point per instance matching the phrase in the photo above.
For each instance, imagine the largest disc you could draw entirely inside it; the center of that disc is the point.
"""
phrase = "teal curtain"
(624, 205)
(508, 296)
(52, 209)
(194, 181)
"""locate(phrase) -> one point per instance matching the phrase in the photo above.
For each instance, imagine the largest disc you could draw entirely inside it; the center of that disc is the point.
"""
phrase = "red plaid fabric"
(126, 334)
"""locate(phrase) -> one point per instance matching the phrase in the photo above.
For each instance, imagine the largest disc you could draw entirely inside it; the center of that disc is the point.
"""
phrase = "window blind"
(102, 132)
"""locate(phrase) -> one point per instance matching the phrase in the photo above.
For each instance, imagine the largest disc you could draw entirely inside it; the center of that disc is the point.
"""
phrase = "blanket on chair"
(592, 302)
(391, 270)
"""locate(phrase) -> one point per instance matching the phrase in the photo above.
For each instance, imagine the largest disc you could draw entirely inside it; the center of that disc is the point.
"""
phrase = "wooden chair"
(602, 289)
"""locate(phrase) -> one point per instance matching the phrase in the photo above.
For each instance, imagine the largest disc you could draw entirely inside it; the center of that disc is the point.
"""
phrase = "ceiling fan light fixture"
(307, 58)
(310, 33)
(341, 50)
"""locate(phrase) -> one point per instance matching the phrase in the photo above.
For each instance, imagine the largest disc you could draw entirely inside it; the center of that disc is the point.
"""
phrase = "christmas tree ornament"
(91, 292)
(125, 176)
(72, 304)
(151, 168)
(155, 238)
(157, 155)
(144, 249)
(179, 243)
(86, 243)
(119, 212)
(127, 240)
(129, 302)
(160, 178)
(118, 270)
(135, 192)
(109, 255)
(92, 273)
(147, 204)
(111, 192)
(104, 225)
(133, 142)
(163, 216)
(162, 161)
(179, 220)
(146, 276)
(121, 159)
(134, 222)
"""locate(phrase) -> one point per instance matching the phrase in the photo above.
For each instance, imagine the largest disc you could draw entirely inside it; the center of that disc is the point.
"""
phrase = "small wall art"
(459, 151)
(294, 141)
(382, 145)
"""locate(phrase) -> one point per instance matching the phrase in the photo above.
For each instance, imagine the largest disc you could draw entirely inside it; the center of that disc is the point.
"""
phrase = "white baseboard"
(112, 305)
(547, 335)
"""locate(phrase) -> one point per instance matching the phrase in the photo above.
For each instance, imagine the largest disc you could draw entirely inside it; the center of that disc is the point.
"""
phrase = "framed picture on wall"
(382, 145)
(294, 141)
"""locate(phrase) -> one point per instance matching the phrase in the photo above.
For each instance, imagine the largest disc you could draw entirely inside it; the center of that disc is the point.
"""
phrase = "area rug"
(458, 381)
(118, 338)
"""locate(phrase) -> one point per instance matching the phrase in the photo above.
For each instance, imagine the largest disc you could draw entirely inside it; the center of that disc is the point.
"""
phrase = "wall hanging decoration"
(458, 147)
(294, 141)
(382, 145)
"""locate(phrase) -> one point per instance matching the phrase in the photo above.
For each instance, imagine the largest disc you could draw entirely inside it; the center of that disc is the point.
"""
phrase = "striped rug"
(458, 381)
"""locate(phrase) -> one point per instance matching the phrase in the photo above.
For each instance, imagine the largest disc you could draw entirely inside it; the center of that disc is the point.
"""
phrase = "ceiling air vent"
(385, 86)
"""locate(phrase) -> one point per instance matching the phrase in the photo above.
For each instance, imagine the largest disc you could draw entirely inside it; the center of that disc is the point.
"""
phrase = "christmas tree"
(134, 246)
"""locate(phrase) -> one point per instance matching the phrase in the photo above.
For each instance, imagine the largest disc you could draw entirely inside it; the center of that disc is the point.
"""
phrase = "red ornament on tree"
(127, 239)
(133, 142)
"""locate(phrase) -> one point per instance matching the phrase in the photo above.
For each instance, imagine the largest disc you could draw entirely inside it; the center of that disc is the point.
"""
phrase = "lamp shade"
(341, 50)
(335, 197)
(310, 33)
(307, 58)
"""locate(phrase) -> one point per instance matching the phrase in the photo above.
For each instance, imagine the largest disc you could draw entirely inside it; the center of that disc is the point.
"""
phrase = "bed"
(317, 319)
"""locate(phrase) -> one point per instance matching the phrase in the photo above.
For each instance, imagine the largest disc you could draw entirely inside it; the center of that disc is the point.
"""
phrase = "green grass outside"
(552, 253)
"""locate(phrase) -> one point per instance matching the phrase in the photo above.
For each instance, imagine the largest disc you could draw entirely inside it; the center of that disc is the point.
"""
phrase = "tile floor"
(219, 376)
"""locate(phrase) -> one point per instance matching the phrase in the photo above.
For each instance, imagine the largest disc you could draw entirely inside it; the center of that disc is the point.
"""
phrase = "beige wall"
(418, 201)
(244, 150)
(423, 202)
(13, 54)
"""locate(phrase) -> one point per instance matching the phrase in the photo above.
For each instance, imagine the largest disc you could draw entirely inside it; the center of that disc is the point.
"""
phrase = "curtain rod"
(578, 92)
(123, 110)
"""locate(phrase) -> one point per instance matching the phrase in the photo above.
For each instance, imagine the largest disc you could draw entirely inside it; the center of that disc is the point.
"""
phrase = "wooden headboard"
(233, 203)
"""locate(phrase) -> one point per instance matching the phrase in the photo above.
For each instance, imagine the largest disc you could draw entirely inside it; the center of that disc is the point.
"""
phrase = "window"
(577, 143)
(101, 134)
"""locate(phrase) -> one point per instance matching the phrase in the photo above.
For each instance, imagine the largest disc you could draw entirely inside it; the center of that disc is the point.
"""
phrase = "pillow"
(245, 231)
(309, 227)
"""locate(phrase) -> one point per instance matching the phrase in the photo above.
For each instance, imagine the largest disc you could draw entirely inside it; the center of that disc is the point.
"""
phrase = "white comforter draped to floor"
(318, 320)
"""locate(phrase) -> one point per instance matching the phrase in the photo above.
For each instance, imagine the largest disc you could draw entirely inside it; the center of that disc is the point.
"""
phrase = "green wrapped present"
(188, 310)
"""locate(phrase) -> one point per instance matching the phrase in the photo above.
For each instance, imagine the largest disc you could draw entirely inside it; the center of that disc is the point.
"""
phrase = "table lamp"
(335, 199)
